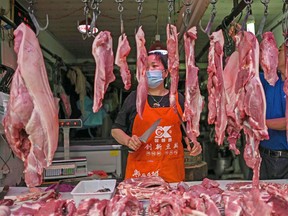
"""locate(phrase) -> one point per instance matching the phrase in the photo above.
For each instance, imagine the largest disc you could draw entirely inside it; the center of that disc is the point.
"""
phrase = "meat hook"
(140, 8)
(209, 25)
(34, 20)
(263, 20)
(185, 15)
(120, 9)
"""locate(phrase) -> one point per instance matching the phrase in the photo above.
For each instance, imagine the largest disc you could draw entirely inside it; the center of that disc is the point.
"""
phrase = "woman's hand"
(133, 143)
(195, 150)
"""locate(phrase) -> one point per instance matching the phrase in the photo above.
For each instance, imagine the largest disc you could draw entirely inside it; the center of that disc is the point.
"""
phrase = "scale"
(67, 167)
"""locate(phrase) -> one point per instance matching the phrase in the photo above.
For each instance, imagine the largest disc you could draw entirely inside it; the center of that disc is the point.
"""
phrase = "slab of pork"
(123, 51)
(142, 88)
(193, 100)
(103, 55)
(216, 92)
(31, 122)
(233, 93)
(173, 61)
(254, 104)
(269, 57)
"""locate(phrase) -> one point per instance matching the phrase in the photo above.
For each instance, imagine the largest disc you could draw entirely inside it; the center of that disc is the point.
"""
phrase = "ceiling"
(64, 15)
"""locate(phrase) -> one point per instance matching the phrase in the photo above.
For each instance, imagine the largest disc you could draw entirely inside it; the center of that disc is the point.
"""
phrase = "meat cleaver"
(144, 137)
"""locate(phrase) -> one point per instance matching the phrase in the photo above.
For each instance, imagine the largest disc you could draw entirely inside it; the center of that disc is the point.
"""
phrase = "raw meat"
(103, 55)
(173, 61)
(128, 205)
(31, 122)
(193, 100)
(233, 93)
(143, 187)
(254, 109)
(123, 51)
(216, 92)
(142, 88)
(269, 57)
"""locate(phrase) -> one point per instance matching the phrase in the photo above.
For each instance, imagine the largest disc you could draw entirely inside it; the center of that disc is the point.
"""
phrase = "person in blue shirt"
(274, 151)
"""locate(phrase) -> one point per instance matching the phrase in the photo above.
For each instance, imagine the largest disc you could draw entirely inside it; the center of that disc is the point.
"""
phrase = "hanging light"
(82, 28)
(250, 24)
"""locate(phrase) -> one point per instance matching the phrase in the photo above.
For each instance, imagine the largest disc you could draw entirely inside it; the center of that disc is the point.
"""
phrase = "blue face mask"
(154, 78)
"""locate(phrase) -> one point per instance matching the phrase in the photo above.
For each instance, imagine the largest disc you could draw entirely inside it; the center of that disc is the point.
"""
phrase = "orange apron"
(162, 155)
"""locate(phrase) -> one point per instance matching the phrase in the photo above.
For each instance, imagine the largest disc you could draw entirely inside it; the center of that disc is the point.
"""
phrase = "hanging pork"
(31, 122)
(193, 100)
(215, 86)
(123, 51)
(253, 109)
(269, 57)
(104, 58)
(142, 88)
(173, 62)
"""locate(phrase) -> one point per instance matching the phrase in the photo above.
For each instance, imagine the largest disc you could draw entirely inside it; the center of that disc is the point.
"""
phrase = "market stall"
(63, 88)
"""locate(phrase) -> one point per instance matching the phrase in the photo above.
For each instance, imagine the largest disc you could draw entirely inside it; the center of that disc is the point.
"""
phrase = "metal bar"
(226, 21)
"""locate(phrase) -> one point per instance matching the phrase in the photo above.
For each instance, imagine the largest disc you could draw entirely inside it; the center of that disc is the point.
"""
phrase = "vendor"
(274, 151)
(163, 154)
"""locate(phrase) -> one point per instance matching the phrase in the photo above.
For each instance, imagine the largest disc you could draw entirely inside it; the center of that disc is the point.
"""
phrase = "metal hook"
(264, 18)
(210, 22)
(140, 8)
(34, 20)
(170, 10)
(120, 9)
(185, 15)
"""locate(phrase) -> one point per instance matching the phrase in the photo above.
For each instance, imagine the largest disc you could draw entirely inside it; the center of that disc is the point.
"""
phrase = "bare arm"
(121, 137)
(276, 123)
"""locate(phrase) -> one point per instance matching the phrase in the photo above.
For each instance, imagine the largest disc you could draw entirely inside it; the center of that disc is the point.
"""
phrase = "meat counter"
(21, 192)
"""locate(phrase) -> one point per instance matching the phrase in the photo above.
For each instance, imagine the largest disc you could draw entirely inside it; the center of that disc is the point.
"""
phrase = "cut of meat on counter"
(173, 61)
(216, 92)
(31, 122)
(103, 55)
(209, 197)
(269, 57)
(123, 51)
(143, 187)
(193, 100)
(142, 88)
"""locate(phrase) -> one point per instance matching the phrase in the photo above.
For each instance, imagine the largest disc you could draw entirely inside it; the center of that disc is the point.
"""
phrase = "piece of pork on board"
(31, 122)
(104, 58)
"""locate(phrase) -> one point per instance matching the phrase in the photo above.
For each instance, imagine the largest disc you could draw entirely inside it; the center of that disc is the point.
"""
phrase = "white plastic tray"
(88, 189)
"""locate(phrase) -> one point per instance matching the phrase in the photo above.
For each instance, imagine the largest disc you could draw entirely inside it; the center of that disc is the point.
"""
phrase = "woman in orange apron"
(162, 155)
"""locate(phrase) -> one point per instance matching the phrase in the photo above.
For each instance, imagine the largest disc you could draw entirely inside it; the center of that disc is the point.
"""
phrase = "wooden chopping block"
(191, 160)
(196, 172)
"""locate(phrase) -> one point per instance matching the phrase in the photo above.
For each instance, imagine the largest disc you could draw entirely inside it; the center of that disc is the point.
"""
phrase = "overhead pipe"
(225, 22)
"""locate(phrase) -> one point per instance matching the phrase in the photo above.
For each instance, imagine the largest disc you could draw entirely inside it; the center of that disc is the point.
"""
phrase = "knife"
(4, 192)
(184, 128)
(144, 137)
